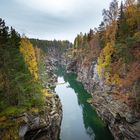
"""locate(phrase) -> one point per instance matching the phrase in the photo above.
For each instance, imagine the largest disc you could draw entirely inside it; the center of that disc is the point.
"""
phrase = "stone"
(107, 88)
(130, 118)
(22, 130)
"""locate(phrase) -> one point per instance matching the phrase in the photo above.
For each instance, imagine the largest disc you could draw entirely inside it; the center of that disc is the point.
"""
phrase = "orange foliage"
(93, 52)
(136, 51)
(132, 75)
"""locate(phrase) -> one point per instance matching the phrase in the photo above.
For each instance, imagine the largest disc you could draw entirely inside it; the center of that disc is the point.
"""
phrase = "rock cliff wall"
(116, 111)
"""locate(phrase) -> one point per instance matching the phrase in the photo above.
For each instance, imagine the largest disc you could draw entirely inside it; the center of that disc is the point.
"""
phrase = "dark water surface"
(80, 120)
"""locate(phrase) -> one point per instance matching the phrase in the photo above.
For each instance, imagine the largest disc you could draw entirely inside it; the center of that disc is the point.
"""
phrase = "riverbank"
(117, 110)
(36, 123)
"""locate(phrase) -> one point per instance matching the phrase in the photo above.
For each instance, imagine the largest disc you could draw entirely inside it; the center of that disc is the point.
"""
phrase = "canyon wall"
(116, 110)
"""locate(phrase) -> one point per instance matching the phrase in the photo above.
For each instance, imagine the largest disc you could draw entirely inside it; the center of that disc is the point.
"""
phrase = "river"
(80, 120)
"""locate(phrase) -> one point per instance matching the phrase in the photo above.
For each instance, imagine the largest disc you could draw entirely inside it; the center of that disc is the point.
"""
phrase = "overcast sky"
(52, 19)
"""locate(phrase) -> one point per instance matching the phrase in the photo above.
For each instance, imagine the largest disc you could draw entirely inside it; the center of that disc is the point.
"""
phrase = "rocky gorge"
(116, 110)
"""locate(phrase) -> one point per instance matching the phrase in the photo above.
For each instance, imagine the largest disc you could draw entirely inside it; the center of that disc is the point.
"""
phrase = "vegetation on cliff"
(55, 45)
(22, 70)
(20, 87)
(115, 45)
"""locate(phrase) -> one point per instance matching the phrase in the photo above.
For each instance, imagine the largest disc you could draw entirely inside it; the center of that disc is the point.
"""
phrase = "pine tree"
(3, 32)
(14, 40)
(101, 33)
(123, 28)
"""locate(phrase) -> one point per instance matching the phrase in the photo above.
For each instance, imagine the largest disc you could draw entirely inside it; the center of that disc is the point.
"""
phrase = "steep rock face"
(85, 74)
(89, 77)
(121, 119)
(45, 124)
(116, 110)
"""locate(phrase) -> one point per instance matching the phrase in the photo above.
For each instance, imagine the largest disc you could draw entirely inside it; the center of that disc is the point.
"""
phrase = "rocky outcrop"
(45, 124)
(116, 111)
(121, 119)
(34, 124)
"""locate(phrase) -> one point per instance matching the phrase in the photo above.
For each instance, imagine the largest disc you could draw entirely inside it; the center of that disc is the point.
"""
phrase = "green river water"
(80, 120)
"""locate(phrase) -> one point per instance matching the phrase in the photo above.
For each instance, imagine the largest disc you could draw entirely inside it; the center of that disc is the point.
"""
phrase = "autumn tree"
(132, 13)
(110, 19)
(90, 34)
(17, 86)
(26, 48)
(78, 40)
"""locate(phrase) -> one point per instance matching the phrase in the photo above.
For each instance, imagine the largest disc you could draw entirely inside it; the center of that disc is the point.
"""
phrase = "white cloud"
(65, 8)
(53, 7)
(48, 19)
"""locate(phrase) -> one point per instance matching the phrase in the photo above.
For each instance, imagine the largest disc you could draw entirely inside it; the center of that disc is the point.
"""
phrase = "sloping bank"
(36, 124)
(118, 114)
(46, 123)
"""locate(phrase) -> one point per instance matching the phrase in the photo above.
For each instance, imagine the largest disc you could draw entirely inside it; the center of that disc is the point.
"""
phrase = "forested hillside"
(19, 87)
(115, 44)
(26, 102)
(54, 48)
(107, 62)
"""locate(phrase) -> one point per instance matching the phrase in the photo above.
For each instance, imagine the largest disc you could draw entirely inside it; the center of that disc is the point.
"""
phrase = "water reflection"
(80, 120)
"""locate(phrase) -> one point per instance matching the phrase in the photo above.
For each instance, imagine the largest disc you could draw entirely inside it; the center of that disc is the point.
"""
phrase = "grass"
(12, 110)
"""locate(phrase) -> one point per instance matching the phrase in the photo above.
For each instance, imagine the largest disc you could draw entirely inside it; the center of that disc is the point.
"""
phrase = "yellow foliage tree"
(104, 61)
(132, 13)
(28, 52)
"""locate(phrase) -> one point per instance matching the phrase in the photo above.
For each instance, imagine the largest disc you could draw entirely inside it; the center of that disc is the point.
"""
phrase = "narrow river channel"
(80, 120)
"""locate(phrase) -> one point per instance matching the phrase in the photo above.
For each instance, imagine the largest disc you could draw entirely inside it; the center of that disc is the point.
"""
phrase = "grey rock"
(22, 130)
